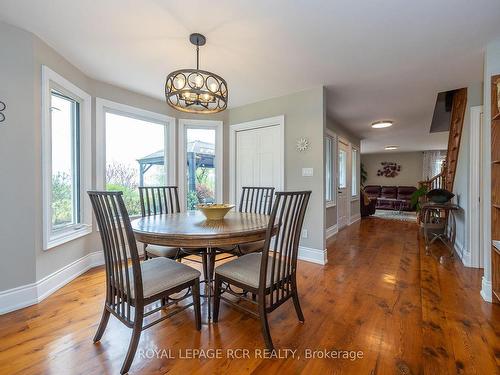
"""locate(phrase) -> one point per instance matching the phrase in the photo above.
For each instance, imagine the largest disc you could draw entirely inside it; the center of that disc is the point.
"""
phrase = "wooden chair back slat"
(117, 236)
(156, 200)
(257, 200)
(279, 256)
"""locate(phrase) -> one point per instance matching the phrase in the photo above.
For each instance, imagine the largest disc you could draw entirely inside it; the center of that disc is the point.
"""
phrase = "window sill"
(329, 204)
(356, 198)
(68, 235)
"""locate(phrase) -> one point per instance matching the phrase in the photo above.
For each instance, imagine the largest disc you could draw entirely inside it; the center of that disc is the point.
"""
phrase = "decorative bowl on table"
(440, 195)
(215, 211)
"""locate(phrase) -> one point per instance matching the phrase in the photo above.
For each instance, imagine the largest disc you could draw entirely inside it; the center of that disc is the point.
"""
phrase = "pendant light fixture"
(195, 90)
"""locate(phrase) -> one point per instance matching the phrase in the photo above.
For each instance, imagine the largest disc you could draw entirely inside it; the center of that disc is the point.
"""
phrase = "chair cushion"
(252, 247)
(245, 248)
(246, 270)
(160, 274)
(162, 251)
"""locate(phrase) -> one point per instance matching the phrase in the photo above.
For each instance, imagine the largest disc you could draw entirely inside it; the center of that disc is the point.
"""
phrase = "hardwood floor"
(379, 294)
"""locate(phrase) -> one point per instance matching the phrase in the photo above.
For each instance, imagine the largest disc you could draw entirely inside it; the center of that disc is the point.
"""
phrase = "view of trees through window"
(200, 172)
(135, 156)
(65, 161)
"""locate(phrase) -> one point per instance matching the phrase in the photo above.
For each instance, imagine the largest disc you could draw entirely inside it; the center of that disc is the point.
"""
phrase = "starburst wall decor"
(2, 108)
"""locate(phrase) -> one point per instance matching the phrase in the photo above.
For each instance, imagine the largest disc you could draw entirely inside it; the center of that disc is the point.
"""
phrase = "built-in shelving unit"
(495, 186)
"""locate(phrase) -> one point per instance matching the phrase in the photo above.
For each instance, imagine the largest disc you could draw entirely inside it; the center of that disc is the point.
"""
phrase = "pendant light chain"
(197, 57)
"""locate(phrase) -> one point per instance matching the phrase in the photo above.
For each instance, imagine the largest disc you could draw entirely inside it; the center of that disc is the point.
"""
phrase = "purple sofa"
(391, 197)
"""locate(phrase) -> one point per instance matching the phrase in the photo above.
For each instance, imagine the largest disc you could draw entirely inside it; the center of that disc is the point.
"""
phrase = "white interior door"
(258, 159)
(342, 188)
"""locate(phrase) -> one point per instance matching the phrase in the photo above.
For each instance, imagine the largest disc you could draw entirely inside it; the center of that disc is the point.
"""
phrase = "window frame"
(184, 124)
(50, 238)
(333, 168)
(104, 106)
(355, 173)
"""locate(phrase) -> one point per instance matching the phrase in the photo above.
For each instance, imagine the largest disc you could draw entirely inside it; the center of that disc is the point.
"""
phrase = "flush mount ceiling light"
(381, 124)
(392, 147)
(195, 90)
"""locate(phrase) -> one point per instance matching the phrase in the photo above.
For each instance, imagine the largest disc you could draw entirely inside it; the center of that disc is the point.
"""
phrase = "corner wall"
(304, 117)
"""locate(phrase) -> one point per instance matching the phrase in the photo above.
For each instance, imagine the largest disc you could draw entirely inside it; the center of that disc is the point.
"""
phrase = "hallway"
(379, 294)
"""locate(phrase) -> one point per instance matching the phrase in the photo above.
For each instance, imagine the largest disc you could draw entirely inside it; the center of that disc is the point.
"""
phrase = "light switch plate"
(307, 172)
(304, 233)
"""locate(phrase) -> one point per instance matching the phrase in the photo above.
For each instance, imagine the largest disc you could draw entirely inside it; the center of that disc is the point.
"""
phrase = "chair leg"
(204, 261)
(211, 266)
(132, 347)
(196, 301)
(217, 288)
(102, 325)
(296, 303)
(264, 324)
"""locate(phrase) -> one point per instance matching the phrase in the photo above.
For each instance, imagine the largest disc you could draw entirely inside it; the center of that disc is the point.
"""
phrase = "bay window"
(66, 160)
(200, 162)
(135, 148)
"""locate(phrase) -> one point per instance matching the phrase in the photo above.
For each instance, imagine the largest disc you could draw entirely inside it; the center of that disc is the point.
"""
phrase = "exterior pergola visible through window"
(199, 156)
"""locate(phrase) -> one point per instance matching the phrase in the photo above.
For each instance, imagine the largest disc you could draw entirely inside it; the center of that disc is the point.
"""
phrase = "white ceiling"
(379, 59)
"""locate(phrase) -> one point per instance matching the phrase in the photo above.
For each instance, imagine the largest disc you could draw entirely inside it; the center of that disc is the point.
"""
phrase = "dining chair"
(272, 274)
(258, 200)
(157, 200)
(129, 289)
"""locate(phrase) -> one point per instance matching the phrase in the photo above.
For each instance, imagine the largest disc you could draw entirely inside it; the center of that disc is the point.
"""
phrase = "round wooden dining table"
(191, 229)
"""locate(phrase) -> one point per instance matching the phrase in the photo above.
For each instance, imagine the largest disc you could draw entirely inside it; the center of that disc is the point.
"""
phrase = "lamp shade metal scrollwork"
(195, 90)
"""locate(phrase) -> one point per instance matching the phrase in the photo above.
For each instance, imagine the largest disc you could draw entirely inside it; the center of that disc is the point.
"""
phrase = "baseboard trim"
(312, 255)
(464, 255)
(30, 294)
(18, 298)
(486, 290)
(331, 231)
(49, 284)
(354, 218)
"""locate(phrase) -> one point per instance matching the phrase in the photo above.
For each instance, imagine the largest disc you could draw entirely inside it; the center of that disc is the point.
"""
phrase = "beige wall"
(17, 159)
(411, 168)
(304, 117)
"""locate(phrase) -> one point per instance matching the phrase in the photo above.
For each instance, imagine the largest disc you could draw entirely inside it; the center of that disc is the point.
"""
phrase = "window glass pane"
(65, 162)
(354, 173)
(135, 156)
(328, 169)
(200, 169)
(342, 169)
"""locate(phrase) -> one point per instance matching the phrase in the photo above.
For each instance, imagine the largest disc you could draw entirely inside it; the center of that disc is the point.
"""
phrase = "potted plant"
(415, 197)
(364, 175)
